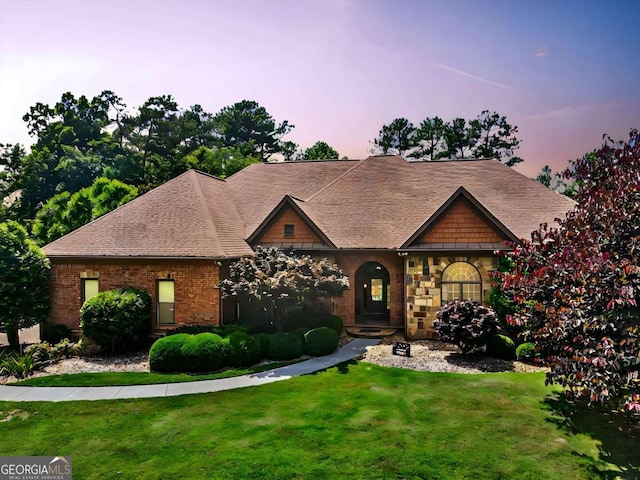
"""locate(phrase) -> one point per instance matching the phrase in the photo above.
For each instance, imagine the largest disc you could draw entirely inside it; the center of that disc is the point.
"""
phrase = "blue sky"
(564, 72)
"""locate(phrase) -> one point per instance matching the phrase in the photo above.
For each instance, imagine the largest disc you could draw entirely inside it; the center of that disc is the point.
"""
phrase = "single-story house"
(410, 236)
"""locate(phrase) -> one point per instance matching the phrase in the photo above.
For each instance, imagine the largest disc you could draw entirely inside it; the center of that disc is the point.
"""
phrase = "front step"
(371, 332)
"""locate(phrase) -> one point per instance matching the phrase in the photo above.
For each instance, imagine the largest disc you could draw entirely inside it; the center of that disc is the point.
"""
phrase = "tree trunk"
(13, 338)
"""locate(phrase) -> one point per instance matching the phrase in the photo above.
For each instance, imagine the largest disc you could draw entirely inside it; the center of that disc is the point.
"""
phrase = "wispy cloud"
(572, 110)
(542, 53)
(474, 77)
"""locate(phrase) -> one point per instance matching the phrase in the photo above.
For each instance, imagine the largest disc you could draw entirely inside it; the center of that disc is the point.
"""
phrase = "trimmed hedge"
(284, 346)
(263, 340)
(204, 352)
(501, 346)
(244, 350)
(165, 354)
(117, 319)
(222, 330)
(321, 341)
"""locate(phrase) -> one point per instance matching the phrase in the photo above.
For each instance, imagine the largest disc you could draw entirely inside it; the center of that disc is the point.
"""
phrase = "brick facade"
(197, 300)
(349, 262)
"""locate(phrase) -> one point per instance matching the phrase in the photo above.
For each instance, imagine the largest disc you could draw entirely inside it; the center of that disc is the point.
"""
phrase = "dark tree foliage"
(397, 138)
(556, 181)
(248, 126)
(78, 140)
(64, 213)
(280, 280)
(489, 135)
(319, 151)
(24, 282)
(577, 283)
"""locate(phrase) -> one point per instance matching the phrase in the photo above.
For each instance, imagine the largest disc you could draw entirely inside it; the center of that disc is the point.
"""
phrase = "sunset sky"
(564, 71)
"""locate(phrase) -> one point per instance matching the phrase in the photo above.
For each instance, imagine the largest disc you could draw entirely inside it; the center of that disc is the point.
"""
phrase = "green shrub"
(41, 352)
(321, 341)
(64, 349)
(526, 352)
(56, 333)
(284, 346)
(301, 331)
(19, 366)
(501, 346)
(263, 340)
(117, 319)
(44, 353)
(195, 329)
(466, 324)
(204, 352)
(326, 320)
(165, 354)
(244, 350)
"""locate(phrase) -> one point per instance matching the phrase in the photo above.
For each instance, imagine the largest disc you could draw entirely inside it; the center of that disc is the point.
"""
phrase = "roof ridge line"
(203, 203)
(334, 181)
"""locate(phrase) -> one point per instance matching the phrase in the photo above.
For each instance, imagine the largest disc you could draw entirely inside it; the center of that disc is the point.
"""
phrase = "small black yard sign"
(402, 348)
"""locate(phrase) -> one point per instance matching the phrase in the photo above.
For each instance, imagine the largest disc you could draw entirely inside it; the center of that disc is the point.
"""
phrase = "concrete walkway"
(353, 349)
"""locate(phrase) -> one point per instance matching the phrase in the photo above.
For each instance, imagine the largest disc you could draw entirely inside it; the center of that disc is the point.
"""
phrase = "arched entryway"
(372, 294)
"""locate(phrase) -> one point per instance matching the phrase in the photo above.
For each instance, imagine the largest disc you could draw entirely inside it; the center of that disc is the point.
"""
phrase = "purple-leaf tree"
(577, 284)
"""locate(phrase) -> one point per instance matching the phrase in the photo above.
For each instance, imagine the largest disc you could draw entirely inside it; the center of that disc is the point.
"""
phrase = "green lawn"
(103, 379)
(356, 421)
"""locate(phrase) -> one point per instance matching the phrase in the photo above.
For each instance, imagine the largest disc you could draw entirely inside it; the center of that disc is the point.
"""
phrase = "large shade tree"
(576, 284)
(278, 281)
(24, 282)
(248, 126)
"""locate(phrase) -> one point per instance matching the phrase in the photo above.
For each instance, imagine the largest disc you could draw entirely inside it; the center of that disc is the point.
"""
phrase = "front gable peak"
(460, 223)
(289, 226)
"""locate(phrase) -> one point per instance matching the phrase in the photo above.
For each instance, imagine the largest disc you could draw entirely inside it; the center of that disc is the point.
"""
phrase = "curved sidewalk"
(353, 349)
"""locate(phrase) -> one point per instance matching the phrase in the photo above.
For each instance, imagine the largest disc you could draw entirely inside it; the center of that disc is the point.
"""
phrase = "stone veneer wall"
(423, 288)
(197, 300)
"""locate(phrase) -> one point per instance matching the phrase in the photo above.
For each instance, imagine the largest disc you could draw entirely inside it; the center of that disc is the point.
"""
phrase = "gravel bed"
(426, 355)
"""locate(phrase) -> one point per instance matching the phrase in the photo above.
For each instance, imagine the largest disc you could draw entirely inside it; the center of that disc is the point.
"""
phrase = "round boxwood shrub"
(244, 350)
(501, 346)
(526, 352)
(284, 346)
(321, 341)
(204, 352)
(117, 319)
(165, 354)
(326, 320)
(301, 331)
(263, 340)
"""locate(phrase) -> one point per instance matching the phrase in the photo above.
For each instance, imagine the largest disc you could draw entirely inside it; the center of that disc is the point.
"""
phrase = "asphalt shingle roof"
(376, 203)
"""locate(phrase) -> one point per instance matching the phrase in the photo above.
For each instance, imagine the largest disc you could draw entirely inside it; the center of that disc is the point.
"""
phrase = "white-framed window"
(166, 302)
(88, 288)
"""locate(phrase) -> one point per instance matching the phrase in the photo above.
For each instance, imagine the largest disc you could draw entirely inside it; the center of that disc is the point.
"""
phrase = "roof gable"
(460, 221)
(306, 234)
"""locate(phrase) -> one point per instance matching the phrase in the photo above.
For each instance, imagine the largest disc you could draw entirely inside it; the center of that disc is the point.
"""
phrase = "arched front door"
(372, 294)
